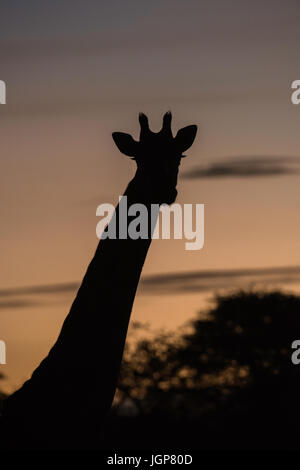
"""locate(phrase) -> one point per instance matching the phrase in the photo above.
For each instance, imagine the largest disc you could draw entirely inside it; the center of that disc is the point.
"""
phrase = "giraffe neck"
(93, 335)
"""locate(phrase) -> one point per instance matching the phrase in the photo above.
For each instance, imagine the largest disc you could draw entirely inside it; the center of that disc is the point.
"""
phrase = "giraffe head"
(157, 155)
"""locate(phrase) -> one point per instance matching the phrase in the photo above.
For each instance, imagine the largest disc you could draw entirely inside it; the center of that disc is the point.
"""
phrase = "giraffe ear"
(185, 137)
(125, 143)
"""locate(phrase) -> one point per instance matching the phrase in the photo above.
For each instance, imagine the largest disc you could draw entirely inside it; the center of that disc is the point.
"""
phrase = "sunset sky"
(78, 70)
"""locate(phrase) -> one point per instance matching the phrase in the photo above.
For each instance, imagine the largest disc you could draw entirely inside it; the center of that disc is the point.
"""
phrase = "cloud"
(17, 303)
(246, 167)
(161, 284)
(33, 296)
(61, 288)
(205, 281)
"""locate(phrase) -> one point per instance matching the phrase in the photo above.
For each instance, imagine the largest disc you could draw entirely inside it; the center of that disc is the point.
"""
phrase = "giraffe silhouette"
(66, 400)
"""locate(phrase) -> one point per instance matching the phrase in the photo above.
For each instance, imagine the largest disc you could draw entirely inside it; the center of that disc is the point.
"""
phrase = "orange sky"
(76, 72)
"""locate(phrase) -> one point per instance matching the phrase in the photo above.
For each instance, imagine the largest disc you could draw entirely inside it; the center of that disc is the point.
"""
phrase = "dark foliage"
(227, 382)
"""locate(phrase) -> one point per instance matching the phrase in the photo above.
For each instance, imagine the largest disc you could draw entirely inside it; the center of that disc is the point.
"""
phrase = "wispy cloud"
(204, 281)
(33, 296)
(17, 303)
(61, 288)
(246, 167)
(160, 284)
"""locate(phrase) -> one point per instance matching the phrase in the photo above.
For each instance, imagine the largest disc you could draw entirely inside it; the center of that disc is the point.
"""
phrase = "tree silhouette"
(231, 373)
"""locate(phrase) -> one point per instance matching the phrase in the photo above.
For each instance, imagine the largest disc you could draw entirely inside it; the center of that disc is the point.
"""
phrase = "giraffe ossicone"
(161, 142)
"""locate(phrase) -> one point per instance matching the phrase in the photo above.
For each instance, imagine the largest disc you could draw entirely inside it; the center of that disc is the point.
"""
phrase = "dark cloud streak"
(161, 284)
(17, 303)
(61, 288)
(246, 167)
(205, 281)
